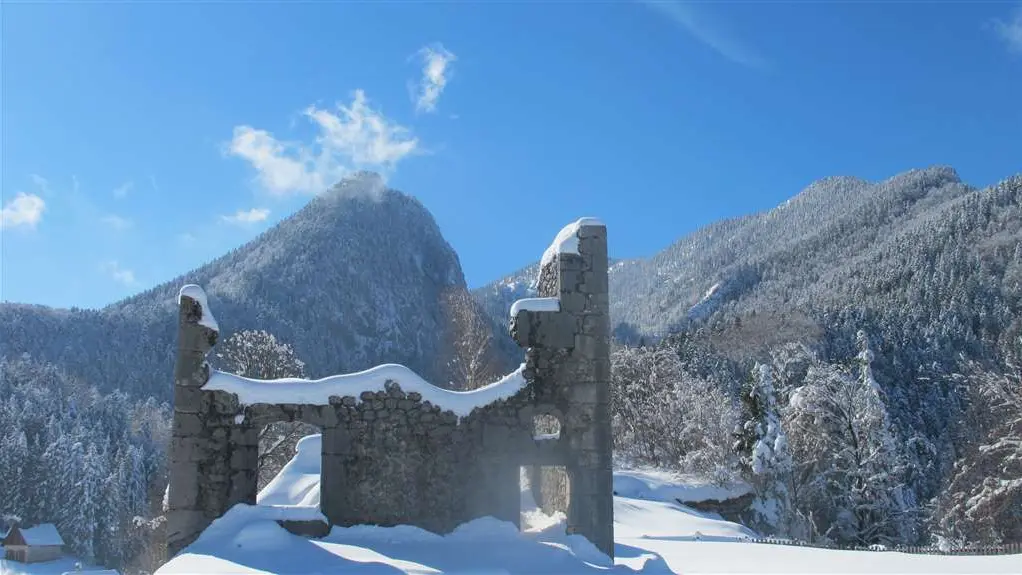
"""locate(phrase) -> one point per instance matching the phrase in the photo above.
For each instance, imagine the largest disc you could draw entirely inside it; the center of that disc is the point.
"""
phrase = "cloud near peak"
(436, 72)
(25, 210)
(242, 217)
(1010, 31)
(123, 190)
(116, 222)
(350, 137)
(119, 274)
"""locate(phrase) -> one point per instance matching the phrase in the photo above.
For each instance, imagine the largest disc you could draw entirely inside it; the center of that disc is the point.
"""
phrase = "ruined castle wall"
(198, 475)
(388, 457)
(568, 363)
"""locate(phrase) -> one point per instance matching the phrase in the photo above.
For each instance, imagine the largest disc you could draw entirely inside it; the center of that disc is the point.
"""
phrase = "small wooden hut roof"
(42, 535)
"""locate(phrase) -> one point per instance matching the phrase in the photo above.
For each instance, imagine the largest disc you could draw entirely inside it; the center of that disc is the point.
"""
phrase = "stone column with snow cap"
(192, 444)
(567, 335)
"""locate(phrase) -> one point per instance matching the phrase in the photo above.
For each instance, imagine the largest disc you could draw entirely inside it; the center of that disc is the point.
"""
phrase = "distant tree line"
(94, 464)
(818, 442)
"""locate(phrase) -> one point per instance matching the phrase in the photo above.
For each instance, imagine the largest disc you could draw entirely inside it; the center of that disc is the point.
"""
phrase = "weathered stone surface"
(573, 302)
(554, 330)
(243, 487)
(184, 486)
(225, 403)
(188, 424)
(394, 390)
(183, 527)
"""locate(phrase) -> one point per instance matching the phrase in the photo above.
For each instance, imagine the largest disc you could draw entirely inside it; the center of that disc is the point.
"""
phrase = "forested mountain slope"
(928, 269)
(358, 277)
(921, 255)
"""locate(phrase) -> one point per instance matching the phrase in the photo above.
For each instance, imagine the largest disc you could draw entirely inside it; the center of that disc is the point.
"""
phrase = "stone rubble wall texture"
(391, 458)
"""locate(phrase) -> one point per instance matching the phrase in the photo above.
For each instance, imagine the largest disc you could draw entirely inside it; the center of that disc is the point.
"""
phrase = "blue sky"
(140, 141)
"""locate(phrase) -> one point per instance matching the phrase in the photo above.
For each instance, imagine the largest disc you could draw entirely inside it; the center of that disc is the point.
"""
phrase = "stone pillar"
(568, 364)
(336, 450)
(592, 486)
(244, 464)
(192, 439)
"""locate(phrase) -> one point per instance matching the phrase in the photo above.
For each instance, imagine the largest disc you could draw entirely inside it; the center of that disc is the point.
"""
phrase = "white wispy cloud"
(118, 273)
(117, 222)
(152, 182)
(1011, 30)
(40, 182)
(351, 137)
(247, 216)
(436, 72)
(186, 239)
(25, 210)
(122, 190)
(698, 24)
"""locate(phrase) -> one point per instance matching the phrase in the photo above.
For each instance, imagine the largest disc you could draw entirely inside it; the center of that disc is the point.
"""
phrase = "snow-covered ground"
(665, 486)
(654, 534)
(56, 567)
(298, 481)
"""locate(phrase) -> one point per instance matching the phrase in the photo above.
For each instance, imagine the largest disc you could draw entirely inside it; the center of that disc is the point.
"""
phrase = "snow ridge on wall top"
(566, 241)
(196, 293)
(536, 304)
(319, 391)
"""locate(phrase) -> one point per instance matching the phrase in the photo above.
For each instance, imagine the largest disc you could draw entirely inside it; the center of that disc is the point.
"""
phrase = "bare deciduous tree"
(258, 354)
(982, 501)
(475, 360)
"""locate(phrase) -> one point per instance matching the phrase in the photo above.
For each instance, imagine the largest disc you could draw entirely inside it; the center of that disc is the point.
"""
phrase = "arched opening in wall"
(546, 426)
(287, 444)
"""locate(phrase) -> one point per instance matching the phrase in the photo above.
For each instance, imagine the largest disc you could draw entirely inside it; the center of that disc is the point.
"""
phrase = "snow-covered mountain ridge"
(360, 276)
(766, 257)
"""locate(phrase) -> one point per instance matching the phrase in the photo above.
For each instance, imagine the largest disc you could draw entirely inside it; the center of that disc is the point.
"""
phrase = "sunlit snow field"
(653, 534)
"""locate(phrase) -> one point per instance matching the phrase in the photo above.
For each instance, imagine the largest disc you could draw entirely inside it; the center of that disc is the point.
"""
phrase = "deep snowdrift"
(653, 534)
(298, 481)
(664, 486)
(240, 542)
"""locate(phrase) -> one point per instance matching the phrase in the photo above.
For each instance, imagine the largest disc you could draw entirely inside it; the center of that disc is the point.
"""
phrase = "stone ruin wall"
(389, 457)
(568, 352)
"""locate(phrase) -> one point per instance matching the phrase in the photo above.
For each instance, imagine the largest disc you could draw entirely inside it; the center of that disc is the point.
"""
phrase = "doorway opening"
(546, 494)
(282, 441)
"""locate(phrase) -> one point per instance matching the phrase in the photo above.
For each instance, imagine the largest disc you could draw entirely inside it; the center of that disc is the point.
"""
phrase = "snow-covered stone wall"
(568, 362)
(397, 450)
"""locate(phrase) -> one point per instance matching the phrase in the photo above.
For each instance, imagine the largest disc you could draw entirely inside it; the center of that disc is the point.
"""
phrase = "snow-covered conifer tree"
(763, 446)
(851, 471)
